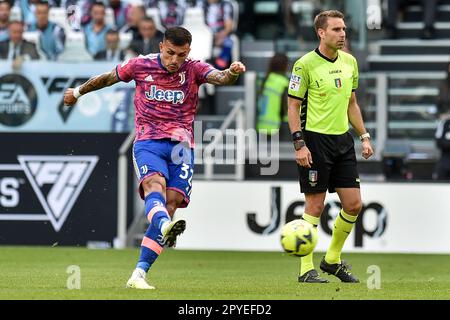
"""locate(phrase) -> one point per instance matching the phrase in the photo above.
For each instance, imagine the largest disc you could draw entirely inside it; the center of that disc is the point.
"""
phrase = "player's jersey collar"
(164, 68)
(326, 58)
(160, 63)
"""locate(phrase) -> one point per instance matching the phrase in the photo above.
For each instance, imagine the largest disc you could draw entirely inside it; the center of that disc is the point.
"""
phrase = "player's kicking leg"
(176, 227)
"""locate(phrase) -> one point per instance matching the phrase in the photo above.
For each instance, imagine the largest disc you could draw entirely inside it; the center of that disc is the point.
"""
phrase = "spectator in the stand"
(136, 13)
(16, 48)
(443, 130)
(113, 51)
(429, 16)
(5, 11)
(52, 36)
(443, 143)
(96, 30)
(172, 12)
(78, 13)
(150, 38)
(219, 17)
(120, 9)
(27, 8)
(287, 19)
(272, 98)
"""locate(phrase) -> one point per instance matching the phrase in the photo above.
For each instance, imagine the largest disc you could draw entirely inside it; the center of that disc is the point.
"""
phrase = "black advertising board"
(58, 189)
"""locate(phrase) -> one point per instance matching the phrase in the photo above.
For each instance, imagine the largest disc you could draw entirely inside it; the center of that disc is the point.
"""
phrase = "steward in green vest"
(273, 96)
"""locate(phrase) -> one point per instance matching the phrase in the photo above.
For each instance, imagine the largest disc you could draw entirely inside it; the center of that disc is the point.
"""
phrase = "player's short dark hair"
(178, 36)
(321, 19)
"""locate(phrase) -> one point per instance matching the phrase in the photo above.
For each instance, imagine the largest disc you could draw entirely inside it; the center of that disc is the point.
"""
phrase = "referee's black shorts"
(334, 163)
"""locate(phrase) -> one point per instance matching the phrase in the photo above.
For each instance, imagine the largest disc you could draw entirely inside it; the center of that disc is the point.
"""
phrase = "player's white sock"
(164, 226)
(138, 273)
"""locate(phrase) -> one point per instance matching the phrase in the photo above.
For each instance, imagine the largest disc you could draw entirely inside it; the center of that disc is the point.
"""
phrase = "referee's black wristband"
(297, 135)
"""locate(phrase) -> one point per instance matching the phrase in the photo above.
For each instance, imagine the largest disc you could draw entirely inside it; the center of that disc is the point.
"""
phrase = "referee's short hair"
(321, 20)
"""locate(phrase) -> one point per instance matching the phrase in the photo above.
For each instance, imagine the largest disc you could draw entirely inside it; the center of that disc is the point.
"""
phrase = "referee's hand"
(367, 150)
(303, 157)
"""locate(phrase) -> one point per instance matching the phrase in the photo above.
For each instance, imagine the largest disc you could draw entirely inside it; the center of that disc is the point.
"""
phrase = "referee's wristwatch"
(364, 136)
(297, 138)
(298, 144)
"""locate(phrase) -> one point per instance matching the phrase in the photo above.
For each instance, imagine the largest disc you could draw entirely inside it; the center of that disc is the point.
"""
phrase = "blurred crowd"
(103, 25)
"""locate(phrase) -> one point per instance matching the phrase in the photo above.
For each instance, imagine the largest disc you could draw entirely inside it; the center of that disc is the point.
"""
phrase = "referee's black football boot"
(312, 277)
(340, 270)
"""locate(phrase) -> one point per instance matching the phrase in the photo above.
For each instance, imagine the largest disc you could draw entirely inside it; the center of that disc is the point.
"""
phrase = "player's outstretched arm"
(227, 76)
(95, 83)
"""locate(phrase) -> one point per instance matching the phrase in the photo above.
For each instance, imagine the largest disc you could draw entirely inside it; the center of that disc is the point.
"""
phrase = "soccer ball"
(298, 238)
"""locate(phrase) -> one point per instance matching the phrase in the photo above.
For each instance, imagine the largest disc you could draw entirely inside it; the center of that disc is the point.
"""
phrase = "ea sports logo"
(18, 100)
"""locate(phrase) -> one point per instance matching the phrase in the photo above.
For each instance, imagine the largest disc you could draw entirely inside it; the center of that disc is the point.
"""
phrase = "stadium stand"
(58, 16)
(16, 14)
(75, 50)
(154, 14)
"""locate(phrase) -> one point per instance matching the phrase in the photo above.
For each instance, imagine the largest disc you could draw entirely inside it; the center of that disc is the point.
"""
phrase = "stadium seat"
(125, 39)
(235, 6)
(58, 16)
(75, 50)
(109, 17)
(235, 55)
(154, 14)
(33, 36)
(16, 14)
(202, 35)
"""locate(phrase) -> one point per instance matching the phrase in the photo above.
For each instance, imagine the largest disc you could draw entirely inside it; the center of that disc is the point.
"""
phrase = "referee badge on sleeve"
(294, 84)
(312, 177)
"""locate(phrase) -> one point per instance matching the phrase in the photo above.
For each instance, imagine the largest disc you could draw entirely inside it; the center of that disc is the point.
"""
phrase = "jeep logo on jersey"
(18, 100)
(174, 96)
(57, 182)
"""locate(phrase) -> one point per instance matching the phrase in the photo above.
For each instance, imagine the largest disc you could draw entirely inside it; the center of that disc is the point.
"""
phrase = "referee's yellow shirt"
(327, 86)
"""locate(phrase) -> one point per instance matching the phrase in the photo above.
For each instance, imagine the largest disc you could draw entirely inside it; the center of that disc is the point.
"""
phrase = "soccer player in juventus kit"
(165, 101)
(322, 86)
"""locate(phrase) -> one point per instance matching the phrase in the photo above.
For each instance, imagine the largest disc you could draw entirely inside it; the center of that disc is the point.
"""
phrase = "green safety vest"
(270, 103)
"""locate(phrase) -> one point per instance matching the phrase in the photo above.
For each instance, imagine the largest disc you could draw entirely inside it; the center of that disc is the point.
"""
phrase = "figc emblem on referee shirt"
(338, 83)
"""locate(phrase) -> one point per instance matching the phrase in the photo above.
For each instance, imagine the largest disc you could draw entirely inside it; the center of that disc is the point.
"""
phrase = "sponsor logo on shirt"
(174, 96)
(149, 78)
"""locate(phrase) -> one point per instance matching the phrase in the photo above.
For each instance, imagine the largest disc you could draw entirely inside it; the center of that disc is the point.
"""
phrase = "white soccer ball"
(298, 238)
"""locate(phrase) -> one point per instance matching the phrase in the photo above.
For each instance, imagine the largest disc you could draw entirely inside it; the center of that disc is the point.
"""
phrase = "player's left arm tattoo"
(219, 77)
(98, 82)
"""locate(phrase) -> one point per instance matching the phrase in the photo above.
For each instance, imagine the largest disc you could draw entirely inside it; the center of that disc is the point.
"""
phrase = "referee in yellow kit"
(321, 104)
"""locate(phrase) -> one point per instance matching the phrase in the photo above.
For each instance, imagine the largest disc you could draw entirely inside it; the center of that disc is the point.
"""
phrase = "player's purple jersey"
(165, 103)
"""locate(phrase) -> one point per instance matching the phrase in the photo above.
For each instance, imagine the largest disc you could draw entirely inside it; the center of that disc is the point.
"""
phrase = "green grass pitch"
(40, 273)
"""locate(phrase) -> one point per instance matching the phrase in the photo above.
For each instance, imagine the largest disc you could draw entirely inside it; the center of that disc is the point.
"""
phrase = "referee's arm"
(293, 111)
(303, 155)
(356, 120)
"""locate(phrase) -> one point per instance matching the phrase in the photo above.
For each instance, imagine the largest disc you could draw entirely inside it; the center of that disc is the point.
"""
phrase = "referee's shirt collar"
(326, 58)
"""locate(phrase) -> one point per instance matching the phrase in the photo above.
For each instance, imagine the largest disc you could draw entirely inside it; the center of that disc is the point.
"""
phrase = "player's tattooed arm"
(98, 82)
(95, 83)
(228, 76)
